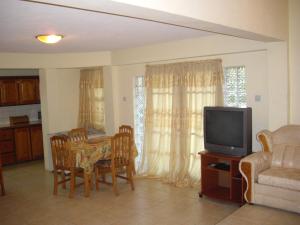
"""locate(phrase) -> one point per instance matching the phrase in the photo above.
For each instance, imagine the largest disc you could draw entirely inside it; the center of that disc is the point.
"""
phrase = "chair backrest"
(121, 150)
(61, 153)
(78, 134)
(127, 129)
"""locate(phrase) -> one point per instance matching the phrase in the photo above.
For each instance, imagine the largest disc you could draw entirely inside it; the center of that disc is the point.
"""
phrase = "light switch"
(257, 98)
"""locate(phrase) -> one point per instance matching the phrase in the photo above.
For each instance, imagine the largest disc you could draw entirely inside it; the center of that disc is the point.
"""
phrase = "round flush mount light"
(49, 39)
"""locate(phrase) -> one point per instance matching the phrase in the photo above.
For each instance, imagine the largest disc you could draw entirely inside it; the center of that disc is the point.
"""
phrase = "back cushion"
(289, 135)
(286, 156)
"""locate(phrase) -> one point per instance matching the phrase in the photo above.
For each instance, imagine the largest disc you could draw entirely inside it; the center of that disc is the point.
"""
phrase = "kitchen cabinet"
(27, 91)
(8, 92)
(22, 144)
(37, 90)
(19, 90)
(36, 137)
(7, 150)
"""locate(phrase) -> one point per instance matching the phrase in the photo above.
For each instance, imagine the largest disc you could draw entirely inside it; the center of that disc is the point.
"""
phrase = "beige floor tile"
(29, 201)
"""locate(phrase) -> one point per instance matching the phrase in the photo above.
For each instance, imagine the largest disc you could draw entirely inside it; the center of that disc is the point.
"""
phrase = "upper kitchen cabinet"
(37, 90)
(27, 91)
(8, 92)
(19, 91)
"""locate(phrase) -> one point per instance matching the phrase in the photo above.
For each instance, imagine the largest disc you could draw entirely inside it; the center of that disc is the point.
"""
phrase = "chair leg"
(72, 183)
(96, 179)
(103, 177)
(133, 169)
(2, 185)
(114, 181)
(2, 189)
(129, 176)
(63, 178)
(55, 182)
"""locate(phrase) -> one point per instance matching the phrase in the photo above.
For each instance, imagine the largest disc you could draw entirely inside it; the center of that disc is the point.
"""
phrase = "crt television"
(228, 130)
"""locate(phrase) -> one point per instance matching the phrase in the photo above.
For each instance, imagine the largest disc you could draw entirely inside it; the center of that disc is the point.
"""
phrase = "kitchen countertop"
(31, 123)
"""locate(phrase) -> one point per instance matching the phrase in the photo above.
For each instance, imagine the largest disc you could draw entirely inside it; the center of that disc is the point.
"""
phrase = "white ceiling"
(84, 31)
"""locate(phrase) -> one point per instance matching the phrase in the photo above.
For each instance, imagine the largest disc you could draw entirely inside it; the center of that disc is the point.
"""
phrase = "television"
(228, 130)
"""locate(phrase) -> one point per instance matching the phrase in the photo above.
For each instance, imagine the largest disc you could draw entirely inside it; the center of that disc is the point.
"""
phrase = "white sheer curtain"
(175, 97)
(91, 99)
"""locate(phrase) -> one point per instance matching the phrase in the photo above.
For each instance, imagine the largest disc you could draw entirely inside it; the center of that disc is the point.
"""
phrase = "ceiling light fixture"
(49, 39)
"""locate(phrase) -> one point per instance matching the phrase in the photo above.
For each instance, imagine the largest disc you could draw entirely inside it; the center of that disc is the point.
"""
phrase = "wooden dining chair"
(129, 130)
(78, 134)
(120, 165)
(126, 129)
(1, 178)
(64, 164)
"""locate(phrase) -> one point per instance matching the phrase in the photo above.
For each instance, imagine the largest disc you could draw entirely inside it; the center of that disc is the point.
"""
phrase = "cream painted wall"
(265, 65)
(108, 100)
(278, 85)
(294, 57)
(59, 104)
(62, 99)
(63, 60)
(205, 46)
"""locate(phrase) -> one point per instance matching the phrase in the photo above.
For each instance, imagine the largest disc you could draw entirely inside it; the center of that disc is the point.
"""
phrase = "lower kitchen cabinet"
(23, 144)
(7, 149)
(36, 137)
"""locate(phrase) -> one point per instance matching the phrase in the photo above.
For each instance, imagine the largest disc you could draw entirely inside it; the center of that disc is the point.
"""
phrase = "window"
(235, 86)
(139, 106)
(91, 99)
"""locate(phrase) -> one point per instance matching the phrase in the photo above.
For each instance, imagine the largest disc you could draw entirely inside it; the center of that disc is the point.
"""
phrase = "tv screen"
(228, 130)
(225, 128)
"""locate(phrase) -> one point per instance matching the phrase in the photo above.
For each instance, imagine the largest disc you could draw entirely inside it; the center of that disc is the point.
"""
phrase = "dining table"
(90, 151)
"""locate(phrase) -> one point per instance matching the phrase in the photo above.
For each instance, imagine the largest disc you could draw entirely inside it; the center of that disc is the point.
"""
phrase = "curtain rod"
(191, 57)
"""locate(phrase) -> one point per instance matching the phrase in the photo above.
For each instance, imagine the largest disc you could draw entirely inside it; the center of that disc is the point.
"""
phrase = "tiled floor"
(29, 201)
(259, 215)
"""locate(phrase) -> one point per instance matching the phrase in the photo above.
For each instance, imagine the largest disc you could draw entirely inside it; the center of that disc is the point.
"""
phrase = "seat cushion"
(281, 177)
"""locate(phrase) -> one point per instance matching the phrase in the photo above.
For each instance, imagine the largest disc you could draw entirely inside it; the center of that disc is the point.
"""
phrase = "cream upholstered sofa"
(273, 175)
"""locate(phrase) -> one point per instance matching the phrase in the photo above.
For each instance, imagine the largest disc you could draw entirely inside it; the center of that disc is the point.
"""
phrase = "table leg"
(87, 178)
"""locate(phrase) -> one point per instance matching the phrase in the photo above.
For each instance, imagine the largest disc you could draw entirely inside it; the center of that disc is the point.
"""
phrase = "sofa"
(273, 174)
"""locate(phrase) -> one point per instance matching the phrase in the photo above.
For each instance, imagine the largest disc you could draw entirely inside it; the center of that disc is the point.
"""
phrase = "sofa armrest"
(250, 167)
(264, 137)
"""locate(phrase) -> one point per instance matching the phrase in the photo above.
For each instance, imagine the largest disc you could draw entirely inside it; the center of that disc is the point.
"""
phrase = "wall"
(294, 57)
(30, 110)
(233, 51)
(62, 98)
(62, 60)
(278, 85)
(59, 104)
(19, 72)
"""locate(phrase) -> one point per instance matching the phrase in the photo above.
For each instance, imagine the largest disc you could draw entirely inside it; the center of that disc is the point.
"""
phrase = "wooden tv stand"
(214, 175)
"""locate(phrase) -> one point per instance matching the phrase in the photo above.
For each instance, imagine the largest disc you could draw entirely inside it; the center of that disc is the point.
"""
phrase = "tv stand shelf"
(220, 177)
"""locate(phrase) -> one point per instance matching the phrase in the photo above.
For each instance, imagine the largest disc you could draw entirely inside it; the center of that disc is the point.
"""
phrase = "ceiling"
(84, 31)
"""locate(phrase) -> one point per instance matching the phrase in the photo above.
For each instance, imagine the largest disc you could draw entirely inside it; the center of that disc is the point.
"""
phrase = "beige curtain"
(175, 97)
(91, 99)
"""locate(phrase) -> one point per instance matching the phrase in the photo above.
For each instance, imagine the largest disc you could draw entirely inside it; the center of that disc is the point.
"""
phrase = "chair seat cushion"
(281, 177)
